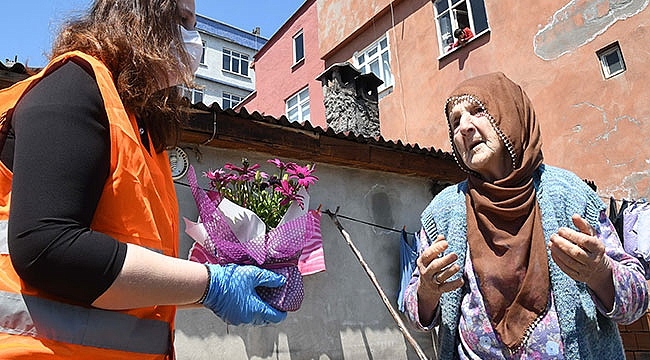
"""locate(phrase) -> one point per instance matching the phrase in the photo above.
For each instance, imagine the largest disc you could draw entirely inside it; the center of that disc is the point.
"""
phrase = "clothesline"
(592, 184)
(375, 225)
(609, 198)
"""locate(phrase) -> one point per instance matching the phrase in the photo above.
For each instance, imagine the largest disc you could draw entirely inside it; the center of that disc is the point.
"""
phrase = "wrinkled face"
(187, 13)
(477, 142)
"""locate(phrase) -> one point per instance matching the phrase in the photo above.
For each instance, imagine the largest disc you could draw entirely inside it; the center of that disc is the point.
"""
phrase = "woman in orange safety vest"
(88, 210)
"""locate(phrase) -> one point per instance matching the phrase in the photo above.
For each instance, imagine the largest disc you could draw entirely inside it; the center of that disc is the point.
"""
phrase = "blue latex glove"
(232, 296)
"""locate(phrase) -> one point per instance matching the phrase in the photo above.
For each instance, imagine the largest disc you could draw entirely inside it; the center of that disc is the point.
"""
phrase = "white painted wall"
(214, 79)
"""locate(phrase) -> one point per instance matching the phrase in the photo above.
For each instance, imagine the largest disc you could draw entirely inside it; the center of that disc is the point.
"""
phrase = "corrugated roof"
(255, 131)
(229, 32)
(16, 67)
(13, 72)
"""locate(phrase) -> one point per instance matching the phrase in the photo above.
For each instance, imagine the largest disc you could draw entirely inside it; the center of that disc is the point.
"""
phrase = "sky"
(28, 27)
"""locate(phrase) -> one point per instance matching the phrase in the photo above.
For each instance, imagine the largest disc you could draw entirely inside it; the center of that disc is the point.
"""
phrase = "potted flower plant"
(251, 217)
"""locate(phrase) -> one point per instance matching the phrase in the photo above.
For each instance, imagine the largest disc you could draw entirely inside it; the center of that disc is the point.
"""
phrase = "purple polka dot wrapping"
(278, 250)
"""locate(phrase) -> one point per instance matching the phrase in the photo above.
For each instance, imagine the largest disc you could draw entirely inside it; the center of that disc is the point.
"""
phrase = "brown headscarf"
(504, 223)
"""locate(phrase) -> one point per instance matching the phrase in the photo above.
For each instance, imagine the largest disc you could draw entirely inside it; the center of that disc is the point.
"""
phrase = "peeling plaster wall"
(579, 22)
(596, 127)
(342, 315)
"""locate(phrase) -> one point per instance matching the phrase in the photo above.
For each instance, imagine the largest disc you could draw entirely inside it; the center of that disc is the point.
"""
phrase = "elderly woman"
(523, 261)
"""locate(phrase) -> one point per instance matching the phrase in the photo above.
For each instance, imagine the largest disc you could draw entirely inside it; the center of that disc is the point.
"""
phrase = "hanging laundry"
(408, 255)
(636, 232)
(613, 211)
(618, 221)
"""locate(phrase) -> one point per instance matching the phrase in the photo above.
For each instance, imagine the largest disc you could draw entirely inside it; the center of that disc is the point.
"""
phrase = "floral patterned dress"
(478, 339)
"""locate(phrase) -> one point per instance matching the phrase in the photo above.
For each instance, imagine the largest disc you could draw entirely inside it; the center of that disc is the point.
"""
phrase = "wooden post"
(373, 279)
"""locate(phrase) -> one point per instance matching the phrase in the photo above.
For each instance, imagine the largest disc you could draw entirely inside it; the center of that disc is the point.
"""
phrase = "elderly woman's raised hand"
(434, 273)
(581, 255)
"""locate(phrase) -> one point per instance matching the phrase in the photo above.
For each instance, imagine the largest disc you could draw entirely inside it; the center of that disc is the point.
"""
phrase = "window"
(298, 106)
(195, 95)
(611, 60)
(458, 14)
(203, 54)
(376, 59)
(298, 47)
(229, 100)
(235, 62)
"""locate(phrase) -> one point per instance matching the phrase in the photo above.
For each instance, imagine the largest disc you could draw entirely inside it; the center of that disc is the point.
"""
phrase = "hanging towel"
(636, 230)
(408, 255)
(636, 233)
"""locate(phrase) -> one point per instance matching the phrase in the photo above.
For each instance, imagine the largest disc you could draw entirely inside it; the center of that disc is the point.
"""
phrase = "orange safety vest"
(138, 205)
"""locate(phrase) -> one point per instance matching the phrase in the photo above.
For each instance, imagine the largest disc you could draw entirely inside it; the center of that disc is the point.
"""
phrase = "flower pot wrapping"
(222, 240)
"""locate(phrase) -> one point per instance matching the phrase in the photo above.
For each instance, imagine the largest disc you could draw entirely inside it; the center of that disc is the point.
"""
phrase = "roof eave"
(279, 137)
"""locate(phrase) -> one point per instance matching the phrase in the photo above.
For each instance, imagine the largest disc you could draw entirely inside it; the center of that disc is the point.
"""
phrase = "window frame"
(198, 92)
(192, 94)
(301, 105)
(372, 52)
(300, 34)
(450, 12)
(230, 99)
(202, 61)
(237, 56)
(605, 66)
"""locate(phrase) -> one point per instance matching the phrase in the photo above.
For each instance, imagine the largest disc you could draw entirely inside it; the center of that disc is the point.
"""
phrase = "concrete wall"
(593, 126)
(342, 316)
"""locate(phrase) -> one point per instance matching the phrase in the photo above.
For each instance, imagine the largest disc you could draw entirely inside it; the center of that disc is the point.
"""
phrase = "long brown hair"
(140, 43)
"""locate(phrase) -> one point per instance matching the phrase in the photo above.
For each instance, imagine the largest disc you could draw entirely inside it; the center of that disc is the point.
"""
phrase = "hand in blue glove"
(232, 296)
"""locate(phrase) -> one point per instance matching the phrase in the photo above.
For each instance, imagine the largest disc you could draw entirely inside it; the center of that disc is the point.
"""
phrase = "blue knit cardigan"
(586, 333)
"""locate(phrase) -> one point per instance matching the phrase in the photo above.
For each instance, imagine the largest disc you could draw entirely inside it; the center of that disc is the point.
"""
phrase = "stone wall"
(351, 102)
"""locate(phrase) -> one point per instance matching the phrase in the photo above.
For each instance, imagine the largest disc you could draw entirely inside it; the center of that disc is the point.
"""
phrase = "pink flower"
(218, 178)
(261, 175)
(280, 165)
(245, 169)
(246, 172)
(215, 175)
(303, 174)
(268, 195)
(289, 192)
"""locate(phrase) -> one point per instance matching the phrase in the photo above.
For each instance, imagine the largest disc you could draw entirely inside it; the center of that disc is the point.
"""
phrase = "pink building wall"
(596, 127)
(277, 78)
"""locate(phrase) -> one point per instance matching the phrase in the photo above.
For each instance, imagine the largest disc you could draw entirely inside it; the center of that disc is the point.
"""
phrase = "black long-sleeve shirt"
(59, 152)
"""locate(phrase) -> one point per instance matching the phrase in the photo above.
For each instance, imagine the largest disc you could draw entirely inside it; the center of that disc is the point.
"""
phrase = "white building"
(225, 75)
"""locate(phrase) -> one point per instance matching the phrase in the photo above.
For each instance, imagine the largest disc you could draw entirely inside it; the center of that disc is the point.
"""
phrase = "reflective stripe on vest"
(4, 247)
(42, 318)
